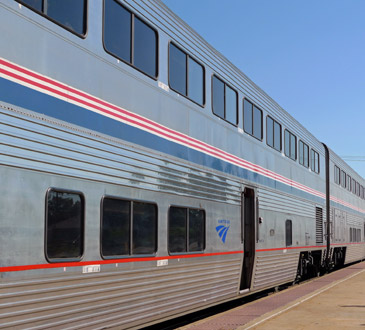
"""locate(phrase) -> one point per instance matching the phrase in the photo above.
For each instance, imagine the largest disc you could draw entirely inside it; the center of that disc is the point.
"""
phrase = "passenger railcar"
(143, 176)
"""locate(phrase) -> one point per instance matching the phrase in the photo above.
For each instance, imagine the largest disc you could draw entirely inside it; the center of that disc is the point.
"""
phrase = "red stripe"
(111, 261)
(305, 247)
(292, 248)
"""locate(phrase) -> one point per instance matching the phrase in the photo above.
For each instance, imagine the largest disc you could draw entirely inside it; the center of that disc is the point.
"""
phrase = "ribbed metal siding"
(354, 252)
(274, 269)
(114, 297)
(43, 144)
(272, 201)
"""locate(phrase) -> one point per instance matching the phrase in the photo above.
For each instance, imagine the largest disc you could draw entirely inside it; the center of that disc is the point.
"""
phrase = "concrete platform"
(333, 301)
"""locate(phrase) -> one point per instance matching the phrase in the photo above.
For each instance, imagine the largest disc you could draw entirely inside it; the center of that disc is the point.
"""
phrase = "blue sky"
(309, 56)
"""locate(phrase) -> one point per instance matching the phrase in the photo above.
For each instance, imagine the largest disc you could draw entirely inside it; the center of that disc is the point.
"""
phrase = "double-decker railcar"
(144, 176)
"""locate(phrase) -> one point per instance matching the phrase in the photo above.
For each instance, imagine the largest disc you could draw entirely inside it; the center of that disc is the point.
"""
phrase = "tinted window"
(196, 230)
(247, 116)
(231, 105)
(357, 189)
(71, 14)
(257, 123)
(186, 76)
(277, 136)
(290, 141)
(224, 101)
(218, 97)
(144, 228)
(337, 175)
(119, 217)
(288, 233)
(177, 69)
(177, 229)
(196, 82)
(293, 147)
(117, 30)
(252, 119)
(270, 132)
(64, 225)
(349, 183)
(303, 154)
(287, 143)
(115, 228)
(123, 31)
(35, 4)
(343, 178)
(314, 161)
(186, 230)
(145, 48)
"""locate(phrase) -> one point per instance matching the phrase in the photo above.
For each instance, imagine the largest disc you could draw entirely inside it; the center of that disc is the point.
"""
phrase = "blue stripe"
(28, 98)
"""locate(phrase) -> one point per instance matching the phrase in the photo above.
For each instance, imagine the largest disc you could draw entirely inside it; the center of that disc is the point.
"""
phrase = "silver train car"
(143, 176)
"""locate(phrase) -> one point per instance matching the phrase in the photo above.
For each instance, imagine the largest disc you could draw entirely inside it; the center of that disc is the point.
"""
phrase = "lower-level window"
(64, 225)
(128, 227)
(288, 233)
(186, 230)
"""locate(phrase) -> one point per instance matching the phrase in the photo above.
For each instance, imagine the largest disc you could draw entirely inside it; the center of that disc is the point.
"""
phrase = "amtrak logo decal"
(222, 229)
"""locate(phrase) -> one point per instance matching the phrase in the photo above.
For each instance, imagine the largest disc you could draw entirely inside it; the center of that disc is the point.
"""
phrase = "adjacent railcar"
(144, 176)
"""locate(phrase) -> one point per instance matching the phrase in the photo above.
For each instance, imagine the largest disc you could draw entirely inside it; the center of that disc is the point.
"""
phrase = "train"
(145, 177)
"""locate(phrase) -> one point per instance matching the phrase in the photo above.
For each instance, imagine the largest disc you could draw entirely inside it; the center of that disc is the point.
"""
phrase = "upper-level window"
(290, 142)
(314, 161)
(128, 227)
(70, 14)
(130, 39)
(303, 154)
(273, 133)
(343, 178)
(186, 76)
(358, 189)
(353, 186)
(224, 100)
(362, 192)
(349, 180)
(337, 175)
(252, 119)
(64, 225)
(186, 231)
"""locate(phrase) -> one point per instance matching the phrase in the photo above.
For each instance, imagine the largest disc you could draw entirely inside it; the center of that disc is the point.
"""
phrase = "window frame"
(237, 106)
(308, 156)
(273, 130)
(253, 119)
(349, 183)
(296, 145)
(337, 175)
(287, 221)
(313, 152)
(186, 74)
(86, 12)
(131, 64)
(82, 197)
(343, 179)
(131, 254)
(187, 208)
(357, 189)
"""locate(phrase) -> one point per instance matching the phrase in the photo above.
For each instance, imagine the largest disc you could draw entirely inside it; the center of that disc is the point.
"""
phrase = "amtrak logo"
(222, 229)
